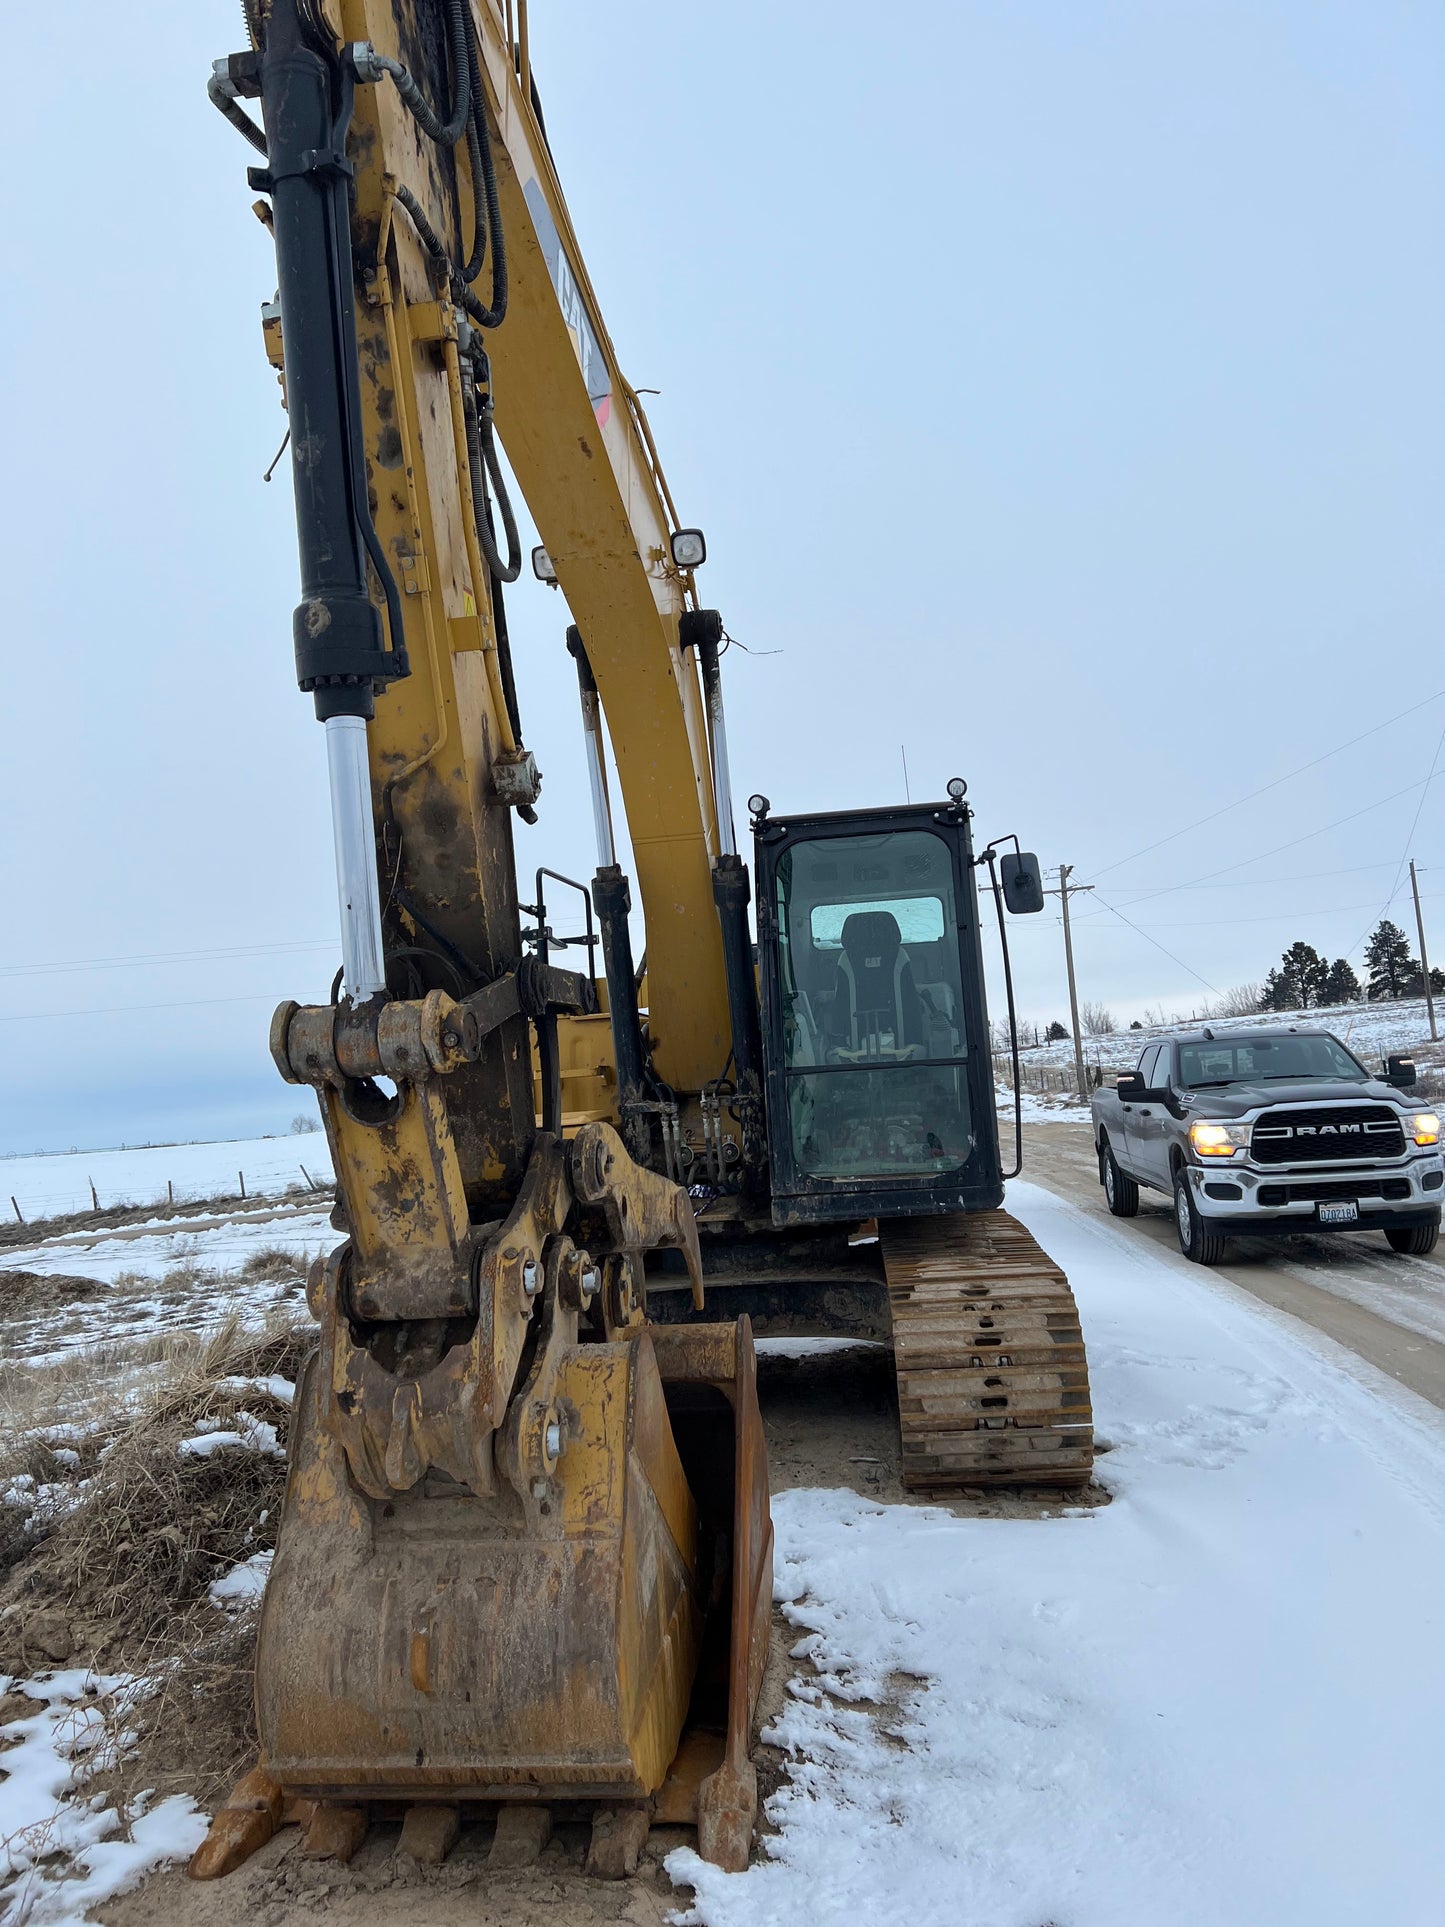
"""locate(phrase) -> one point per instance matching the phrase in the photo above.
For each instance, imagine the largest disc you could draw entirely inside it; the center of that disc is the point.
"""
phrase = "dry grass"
(125, 1572)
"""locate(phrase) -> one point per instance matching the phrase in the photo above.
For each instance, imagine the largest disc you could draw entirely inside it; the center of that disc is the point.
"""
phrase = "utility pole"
(1063, 893)
(1424, 959)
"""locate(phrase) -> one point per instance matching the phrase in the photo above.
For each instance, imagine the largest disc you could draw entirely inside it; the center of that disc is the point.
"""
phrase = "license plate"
(1339, 1213)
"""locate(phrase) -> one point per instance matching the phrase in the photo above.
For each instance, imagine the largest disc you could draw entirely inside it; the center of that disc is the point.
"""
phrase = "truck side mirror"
(1023, 883)
(1400, 1071)
(1130, 1086)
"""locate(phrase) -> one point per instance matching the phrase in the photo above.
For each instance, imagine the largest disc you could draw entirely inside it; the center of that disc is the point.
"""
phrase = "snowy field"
(1216, 1701)
(1369, 1030)
(48, 1187)
(164, 1279)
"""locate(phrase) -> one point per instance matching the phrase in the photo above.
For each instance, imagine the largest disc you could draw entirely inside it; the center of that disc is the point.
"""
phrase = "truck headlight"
(1422, 1126)
(1208, 1140)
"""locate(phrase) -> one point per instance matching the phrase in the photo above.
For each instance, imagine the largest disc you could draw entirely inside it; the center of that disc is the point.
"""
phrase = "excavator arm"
(525, 1551)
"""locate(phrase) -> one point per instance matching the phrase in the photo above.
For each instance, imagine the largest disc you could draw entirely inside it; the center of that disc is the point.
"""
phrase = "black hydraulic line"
(504, 654)
(612, 899)
(446, 133)
(486, 466)
(221, 94)
(458, 959)
(1013, 1028)
(484, 178)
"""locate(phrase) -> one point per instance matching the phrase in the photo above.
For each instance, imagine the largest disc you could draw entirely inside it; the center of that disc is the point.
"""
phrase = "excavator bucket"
(599, 1637)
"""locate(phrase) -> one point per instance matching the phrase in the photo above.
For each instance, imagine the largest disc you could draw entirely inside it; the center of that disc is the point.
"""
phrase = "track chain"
(993, 1383)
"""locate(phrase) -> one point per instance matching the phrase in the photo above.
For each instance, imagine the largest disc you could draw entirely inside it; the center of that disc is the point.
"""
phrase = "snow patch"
(243, 1585)
(251, 1434)
(58, 1854)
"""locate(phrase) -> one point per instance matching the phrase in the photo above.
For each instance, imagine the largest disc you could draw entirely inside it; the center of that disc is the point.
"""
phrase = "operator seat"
(876, 1005)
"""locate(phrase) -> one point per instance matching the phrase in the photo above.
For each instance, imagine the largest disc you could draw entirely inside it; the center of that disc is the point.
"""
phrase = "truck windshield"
(1252, 1059)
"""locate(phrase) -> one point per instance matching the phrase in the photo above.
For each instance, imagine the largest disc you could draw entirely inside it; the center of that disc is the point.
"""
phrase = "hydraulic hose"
(485, 464)
(369, 65)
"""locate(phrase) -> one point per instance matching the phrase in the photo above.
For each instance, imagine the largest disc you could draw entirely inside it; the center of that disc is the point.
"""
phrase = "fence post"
(94, 1200)
(19, 1218)
(242, 1176)
(170, 1192)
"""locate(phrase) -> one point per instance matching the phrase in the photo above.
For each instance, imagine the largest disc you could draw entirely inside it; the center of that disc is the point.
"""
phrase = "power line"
(1159, 946)
(166, 957)
(117, 1010)
(1273, 916)
(1293, 843)
(1253, 883)
(1265, 788)
(1409, 838)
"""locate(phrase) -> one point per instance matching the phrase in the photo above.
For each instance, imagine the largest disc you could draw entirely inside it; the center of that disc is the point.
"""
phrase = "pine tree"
(1298, 983)
(1055, 1034)
(1273, 995)
(1342, 986)
(1391, 966)
(1414, 984)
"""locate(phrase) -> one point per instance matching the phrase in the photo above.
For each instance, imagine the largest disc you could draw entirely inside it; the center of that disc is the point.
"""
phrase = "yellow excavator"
(525, 1552)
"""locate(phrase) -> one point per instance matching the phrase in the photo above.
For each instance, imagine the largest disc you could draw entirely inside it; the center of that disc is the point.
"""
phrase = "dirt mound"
(23, 1293)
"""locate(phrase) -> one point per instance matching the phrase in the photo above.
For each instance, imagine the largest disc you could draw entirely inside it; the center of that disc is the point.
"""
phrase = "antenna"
(907, 793)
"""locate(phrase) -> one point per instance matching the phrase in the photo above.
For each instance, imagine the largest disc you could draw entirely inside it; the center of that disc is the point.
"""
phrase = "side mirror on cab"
(1130, 1086)
(1022, 880)
(1400, 1071)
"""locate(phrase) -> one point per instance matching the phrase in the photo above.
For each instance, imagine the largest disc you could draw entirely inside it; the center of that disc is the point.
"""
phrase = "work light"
(689, 548)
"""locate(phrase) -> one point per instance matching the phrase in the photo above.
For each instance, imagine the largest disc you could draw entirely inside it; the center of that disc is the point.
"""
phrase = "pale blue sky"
(1058, 384)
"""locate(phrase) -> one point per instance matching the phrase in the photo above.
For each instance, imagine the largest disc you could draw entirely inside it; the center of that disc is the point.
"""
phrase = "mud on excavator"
(525, 1552)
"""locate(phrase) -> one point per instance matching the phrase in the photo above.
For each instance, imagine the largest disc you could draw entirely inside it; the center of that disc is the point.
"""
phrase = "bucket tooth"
(429, 1833)
(727, 1806)
(245, 1823)
(523, 1831)
(335, 1833)
(618, 1834)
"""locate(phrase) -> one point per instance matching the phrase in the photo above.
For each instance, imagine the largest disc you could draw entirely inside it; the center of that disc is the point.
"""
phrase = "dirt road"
(1388, 1310)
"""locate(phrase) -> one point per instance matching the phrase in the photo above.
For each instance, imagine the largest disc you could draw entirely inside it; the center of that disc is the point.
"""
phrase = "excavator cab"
(878, 1082)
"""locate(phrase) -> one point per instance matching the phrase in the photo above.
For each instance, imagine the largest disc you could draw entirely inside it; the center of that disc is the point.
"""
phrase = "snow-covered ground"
(46, 1187)
(1217, 1701)
(165, 1279)
(58, 1843)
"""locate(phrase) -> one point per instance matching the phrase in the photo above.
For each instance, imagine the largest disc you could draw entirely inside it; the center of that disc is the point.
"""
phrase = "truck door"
(1151, 1124)
(1131, 1117)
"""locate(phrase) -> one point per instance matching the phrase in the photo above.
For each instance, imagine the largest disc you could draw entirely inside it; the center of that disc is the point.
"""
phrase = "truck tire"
(1121, 1194)
(1198, 1243)
(1415, 1240)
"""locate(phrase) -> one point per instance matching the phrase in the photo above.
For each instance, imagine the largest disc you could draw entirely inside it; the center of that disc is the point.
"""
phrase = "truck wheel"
(1415, 1241)
(1198, 1243)
(1121, 1194)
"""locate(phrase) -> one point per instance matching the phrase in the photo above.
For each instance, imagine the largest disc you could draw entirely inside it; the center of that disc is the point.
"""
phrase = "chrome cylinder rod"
(722, 787)
(357, 887)
(597, 779)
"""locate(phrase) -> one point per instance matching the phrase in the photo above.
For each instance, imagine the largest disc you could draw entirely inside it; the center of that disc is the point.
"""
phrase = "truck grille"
(1392, 1190)
(1335, 1131)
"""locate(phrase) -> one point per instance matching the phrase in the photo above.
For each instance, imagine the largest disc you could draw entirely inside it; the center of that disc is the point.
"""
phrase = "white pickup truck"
(1259, 1132)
